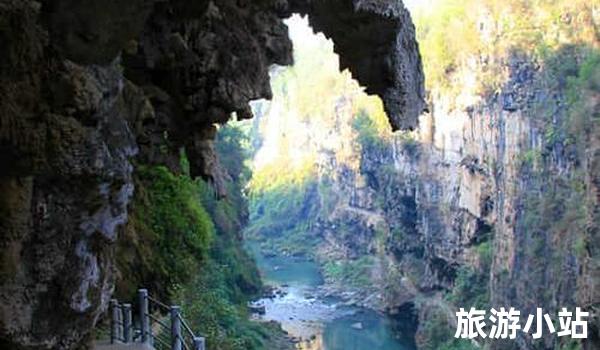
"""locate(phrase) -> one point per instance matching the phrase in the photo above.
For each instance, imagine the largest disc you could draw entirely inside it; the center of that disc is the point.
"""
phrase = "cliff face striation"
(89, 86)
(484, 206)
(500, 205)
(491, 202)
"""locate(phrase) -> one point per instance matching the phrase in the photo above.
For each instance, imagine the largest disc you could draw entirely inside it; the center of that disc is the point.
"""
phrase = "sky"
(300, 32)
(412, 5)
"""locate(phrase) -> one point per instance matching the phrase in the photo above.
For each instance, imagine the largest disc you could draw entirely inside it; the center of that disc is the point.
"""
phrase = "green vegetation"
(186, 247)
(552, 212)
(471, 285)
(447, 35)
(470, 289)
(570, 345)
(369, 136)
(281, 216)
(168, 235)
(457, 36)
(352, 273)
(556, 207)
(208, 303)
(215, 299)
(410, 145)
(531, 158)
(438, 334)
(572, 71)
(485, 254)
(468, 48)
(582, 94)
(290, 192)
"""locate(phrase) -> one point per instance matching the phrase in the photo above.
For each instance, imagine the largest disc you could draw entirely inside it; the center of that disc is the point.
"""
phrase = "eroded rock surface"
(88, 85)
(368, 35)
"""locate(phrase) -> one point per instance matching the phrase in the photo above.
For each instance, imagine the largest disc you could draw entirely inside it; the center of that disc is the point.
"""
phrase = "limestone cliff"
(481, 206)
(493, 192)
(491, 202)
(87, 86)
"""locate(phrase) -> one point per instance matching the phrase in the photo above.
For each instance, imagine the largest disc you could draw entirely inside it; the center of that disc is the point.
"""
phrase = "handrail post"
(199, 343)
(114, 321)
(144, 315)
(175, 328)
(120, 322)
(127, 329)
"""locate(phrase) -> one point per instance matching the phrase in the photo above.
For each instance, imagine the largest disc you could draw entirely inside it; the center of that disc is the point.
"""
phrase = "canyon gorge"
(454, 165)
(89, 86)
(490, 202)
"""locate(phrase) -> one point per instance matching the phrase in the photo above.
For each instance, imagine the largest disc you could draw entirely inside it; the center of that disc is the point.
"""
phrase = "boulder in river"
(357, 325)
(257, 309)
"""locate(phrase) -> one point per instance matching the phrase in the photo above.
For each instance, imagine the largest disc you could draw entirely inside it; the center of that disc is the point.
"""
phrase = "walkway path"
(125, 336)
(132, 346)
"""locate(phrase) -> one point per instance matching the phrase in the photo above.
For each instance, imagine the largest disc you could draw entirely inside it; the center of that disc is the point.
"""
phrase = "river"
(322, 323)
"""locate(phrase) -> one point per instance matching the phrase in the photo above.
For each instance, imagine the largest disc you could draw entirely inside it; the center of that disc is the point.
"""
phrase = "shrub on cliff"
(168, 234)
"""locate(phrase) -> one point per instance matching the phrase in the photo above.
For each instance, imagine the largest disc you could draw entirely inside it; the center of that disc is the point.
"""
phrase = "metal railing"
(173, 332)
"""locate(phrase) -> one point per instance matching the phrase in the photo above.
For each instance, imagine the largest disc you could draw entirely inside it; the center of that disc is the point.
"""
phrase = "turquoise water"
(334, 327)
(376, 334)
(291, 271)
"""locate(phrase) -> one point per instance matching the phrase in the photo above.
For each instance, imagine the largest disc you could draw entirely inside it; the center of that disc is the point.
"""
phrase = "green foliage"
(455, 36)
(275, 177)
(571, 344)
(368, 135)
(470, 288)
(283, 208)
(531, 158)
(410, 144)
(288, 191)
(215, 301)
(208, 305)
(169, 233)
(555, 206)
(280, 208)
(552, 211)
(398, 234)
(572, 72)
(458, 344)
(328, 195)
(471, 284)
(485, 254)
(185, 245)
(582, 92)
(233, 149)
(354, 273)
(236, 267)
(438, 334)
(446, 37)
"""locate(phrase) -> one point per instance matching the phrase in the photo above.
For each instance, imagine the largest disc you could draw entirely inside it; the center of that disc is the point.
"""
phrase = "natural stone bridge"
(88, 85)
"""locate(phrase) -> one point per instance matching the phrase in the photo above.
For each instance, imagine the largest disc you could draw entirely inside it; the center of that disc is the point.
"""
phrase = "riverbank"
(320, 316)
